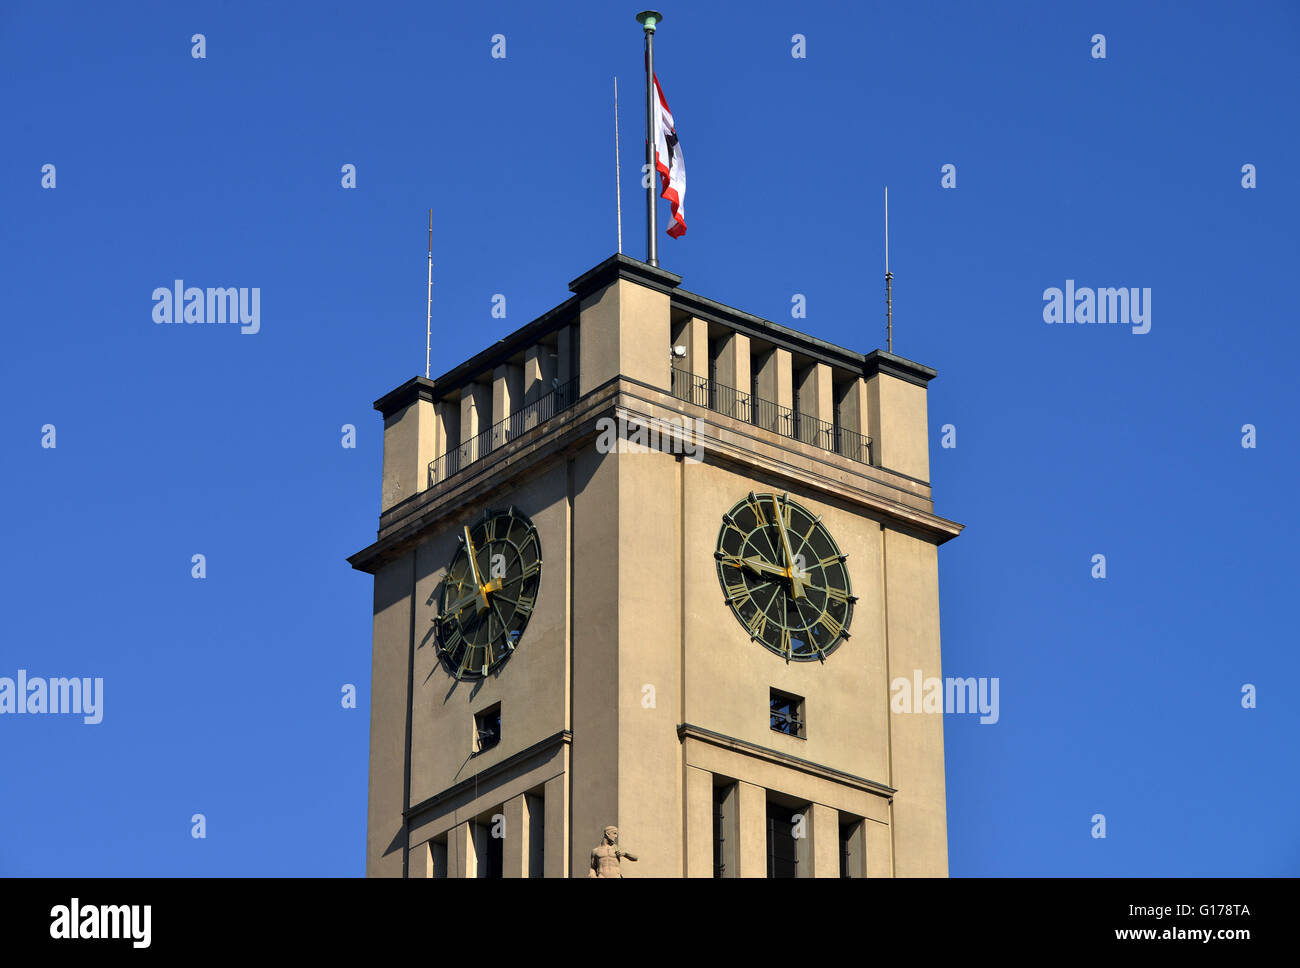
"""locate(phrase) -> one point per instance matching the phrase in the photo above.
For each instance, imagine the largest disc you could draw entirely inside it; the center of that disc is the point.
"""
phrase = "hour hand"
(760, 567)
(456, 606)
(756, 565)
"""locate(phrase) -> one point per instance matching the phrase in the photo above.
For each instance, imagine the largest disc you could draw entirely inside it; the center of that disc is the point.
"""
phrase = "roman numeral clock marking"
(784, 577)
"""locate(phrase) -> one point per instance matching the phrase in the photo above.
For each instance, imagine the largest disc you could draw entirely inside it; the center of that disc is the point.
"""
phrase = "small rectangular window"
(487, 729)
(786, 714)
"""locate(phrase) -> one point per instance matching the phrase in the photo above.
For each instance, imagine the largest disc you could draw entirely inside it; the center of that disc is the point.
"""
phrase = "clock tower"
(651, 563)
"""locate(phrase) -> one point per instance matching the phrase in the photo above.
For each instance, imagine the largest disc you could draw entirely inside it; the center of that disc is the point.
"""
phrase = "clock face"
(784, 577)
(489, 593)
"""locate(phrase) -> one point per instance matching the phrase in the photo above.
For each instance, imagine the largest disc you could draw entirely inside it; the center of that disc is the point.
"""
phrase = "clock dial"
(489, 593)
(784, 577)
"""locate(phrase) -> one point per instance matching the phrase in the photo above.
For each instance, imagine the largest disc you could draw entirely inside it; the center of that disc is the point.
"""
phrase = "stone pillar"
(408, 440)
(697, 348)
(446, 422)
(507, 397)
(774, 384)
(855, 418)
(429, 859)
(624, 323)
(816, 400)
(649, 650)
(541, 366)
(420, 861)
(566, 354)
(918, 816)
(475, 417)
(556, 853)
(439, 443)
(879, 849)
(625, 332)
(896, 398)
(691, 370)
(733, 371)
(535, 807)
(515, 849)
(751, 823)
(699, 822)
(386, 833)
(480, 833)
(462, 861)
(523, 848)
(823, 840)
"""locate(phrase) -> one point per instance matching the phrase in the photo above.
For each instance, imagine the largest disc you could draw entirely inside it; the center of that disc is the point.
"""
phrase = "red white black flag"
(669, 163)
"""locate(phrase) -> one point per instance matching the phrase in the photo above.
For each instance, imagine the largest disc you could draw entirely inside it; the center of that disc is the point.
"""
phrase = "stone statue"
(605, 856)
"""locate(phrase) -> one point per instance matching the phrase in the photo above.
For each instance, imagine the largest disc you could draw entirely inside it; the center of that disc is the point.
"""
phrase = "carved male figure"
(606, 855)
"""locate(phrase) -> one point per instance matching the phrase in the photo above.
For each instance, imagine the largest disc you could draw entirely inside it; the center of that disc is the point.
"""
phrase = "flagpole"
(428, 330)
(649, 20)
(618, 181)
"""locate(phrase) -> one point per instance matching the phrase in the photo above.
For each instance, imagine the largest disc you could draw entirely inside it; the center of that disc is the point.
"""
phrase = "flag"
(669, 163)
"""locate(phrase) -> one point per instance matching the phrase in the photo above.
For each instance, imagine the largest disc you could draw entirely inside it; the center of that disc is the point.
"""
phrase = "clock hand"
(756, 565)
(761, 567)
(796, 583)
(473, 560)
(478, 579)
(455, 607)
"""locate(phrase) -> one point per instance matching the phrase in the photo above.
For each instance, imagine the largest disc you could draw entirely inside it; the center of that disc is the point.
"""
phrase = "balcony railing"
(786, 421)
(478, 447)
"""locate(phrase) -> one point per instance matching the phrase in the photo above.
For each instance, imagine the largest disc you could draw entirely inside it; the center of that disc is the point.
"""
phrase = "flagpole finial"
(649, 19)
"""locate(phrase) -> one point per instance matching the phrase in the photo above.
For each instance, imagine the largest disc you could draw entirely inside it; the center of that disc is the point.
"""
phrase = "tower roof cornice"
(621, 267)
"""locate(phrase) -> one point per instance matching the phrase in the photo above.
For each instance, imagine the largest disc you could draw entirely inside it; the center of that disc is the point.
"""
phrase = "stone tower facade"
(636, 683)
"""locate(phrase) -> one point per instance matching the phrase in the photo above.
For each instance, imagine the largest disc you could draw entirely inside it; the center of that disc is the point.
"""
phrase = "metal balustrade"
(785, 421)
(479, 446)
(698, 390)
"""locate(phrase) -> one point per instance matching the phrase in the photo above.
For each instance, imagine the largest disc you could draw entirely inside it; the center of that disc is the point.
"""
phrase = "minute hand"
(796, 583)
(482, 605)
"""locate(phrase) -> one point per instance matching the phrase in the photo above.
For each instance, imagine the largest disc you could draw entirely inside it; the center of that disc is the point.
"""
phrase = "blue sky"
(1119, 696)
